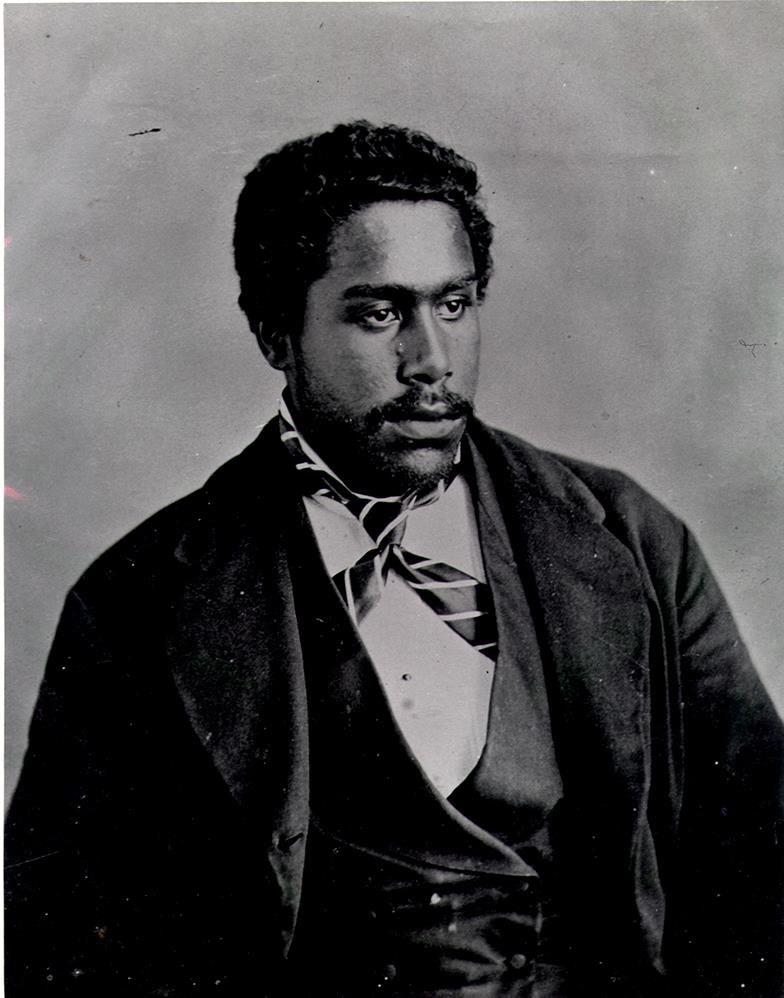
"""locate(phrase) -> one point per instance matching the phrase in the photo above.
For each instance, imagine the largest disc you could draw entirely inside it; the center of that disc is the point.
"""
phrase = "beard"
(375, 462)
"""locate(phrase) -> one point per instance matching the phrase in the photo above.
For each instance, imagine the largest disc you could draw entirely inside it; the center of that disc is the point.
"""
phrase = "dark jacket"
(156, 840)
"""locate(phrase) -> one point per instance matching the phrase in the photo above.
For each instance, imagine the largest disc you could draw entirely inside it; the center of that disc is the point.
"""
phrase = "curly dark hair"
(294, 199)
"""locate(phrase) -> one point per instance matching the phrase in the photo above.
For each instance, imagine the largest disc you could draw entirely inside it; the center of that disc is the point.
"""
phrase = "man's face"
(384, 371)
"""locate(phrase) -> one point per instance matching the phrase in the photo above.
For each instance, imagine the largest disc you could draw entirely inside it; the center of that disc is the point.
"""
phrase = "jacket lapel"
(586, 595)
(235, 653)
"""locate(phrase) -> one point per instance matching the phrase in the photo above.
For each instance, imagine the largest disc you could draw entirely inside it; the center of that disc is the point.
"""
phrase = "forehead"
(415, 244)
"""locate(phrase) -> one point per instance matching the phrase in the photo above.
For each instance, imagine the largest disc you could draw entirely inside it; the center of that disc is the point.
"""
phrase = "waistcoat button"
(518, 961)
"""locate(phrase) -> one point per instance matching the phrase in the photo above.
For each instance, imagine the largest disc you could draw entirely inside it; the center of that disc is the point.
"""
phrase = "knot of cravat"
(458, 599)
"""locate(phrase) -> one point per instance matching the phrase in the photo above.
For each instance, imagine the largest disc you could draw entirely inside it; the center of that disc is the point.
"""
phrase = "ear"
(274, 343)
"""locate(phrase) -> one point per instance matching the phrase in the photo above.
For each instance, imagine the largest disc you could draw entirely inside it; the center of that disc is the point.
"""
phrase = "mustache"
(409, 406)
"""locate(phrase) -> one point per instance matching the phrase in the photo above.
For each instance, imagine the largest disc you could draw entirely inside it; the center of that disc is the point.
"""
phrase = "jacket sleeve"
(53, 917)
(130, 871)
(725, 917)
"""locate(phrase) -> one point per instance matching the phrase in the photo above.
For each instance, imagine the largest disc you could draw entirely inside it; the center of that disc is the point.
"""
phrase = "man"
(396, 703)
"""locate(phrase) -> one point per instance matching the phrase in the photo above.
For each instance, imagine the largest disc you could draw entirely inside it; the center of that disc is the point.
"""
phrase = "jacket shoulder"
(607, 494)
(178, 533)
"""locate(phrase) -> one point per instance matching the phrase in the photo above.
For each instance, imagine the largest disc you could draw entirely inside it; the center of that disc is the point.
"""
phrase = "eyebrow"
(400, 290)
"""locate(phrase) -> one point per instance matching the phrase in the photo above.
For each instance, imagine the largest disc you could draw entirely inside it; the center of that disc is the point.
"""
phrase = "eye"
(452, 308)
(380, 318)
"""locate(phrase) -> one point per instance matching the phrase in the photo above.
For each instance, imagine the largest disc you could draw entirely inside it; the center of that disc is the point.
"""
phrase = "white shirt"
(437, 686)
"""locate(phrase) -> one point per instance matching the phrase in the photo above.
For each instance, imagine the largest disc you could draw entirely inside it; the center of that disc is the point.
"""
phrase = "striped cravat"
(461, 601)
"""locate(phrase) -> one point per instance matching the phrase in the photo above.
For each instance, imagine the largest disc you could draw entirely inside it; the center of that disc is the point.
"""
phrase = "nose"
(423, 349)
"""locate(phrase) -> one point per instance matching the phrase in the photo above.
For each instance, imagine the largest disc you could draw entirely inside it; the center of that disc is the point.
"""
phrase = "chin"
(400, 471)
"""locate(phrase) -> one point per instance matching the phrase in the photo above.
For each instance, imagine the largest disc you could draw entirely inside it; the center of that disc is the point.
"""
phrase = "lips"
(419, 414)
(428, 424)
(429, 413)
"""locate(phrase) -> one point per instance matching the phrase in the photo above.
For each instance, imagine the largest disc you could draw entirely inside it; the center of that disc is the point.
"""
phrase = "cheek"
(359, 376)
(466, 361)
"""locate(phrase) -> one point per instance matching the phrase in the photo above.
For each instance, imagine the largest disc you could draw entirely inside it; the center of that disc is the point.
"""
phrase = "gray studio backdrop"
(632, 157)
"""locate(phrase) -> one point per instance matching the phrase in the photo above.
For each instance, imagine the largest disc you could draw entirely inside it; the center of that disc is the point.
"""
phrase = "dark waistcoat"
(405, 892)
